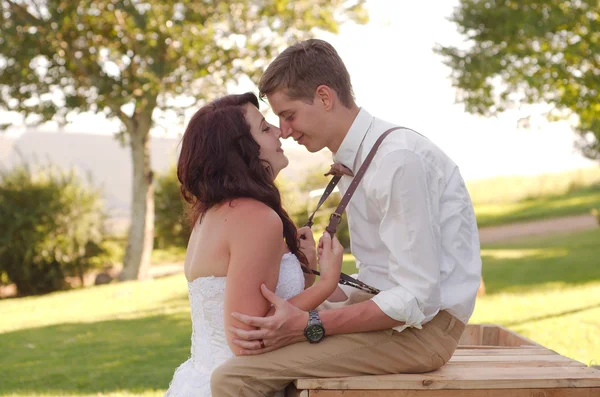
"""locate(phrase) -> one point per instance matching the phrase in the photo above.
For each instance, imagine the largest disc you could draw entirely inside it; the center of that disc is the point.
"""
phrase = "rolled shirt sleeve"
(411, 232)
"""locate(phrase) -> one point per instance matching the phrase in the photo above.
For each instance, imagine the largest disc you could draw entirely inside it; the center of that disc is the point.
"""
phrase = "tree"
(141, 61)
(530, 51)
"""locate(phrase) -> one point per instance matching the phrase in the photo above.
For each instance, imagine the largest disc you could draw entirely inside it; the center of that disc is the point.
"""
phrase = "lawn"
(513, 188)
(160, 256)
(127, 339)
(576, 202)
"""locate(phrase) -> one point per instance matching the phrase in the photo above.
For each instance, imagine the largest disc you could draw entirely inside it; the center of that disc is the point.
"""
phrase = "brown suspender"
(336, 217)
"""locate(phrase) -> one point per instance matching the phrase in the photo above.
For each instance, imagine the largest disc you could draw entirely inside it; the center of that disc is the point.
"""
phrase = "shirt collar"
(347, 151)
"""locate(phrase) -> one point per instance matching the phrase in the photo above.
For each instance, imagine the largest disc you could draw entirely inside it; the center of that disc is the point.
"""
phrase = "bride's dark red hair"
(219, 161)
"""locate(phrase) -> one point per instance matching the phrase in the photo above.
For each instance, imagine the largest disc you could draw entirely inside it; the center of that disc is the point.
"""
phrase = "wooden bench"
(490, 361)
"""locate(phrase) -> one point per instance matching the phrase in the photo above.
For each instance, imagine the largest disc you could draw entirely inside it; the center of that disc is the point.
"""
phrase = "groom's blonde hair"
(304, 66)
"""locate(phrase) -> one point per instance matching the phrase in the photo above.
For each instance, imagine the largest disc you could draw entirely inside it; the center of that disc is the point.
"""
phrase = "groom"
(413, 233)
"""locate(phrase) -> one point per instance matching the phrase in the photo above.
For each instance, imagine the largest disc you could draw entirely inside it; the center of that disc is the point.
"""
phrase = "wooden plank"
(471, 335)
(507, 337)
(514, 358)
(497, 347)
(489, 360)
(490, 335)
(514, 361)
(455, 377)
(503, 352)
(584, 392)
(467, 366)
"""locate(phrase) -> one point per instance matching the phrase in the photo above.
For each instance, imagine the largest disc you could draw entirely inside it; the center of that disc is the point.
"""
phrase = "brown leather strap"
(336, 217)
(328, 190)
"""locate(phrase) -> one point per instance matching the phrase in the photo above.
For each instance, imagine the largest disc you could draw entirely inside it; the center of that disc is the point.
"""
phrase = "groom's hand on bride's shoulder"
(284, 327)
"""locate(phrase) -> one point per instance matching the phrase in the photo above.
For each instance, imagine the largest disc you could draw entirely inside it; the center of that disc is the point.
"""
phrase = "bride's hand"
(308, 246)
(331, 253)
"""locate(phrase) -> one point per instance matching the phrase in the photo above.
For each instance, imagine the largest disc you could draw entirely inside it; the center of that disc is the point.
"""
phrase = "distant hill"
(109, 164)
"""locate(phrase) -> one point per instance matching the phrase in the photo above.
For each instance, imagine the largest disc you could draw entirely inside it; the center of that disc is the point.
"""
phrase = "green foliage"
(98, 55)
(143, 62)
(170, 223)
(51, 228)
(534, 51)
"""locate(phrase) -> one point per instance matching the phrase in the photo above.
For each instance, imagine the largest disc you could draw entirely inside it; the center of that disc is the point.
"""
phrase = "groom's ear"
(326, 96)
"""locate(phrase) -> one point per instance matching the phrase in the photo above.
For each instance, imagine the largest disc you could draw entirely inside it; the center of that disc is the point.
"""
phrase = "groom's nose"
(286, 132)
(285, 128)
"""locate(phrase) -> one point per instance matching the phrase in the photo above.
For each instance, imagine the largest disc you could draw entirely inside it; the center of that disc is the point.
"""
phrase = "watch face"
(314, 333)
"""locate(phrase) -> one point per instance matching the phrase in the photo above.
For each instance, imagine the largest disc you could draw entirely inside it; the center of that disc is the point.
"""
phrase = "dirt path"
(537, 228)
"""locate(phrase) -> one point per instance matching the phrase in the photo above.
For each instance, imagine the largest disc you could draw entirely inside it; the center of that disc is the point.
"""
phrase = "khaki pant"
(368, 353)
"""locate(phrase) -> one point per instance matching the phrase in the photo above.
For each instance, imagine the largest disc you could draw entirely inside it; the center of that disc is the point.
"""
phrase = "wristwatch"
(314, 331)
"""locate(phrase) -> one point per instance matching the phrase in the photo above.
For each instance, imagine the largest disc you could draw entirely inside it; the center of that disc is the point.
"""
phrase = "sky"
(397, 77)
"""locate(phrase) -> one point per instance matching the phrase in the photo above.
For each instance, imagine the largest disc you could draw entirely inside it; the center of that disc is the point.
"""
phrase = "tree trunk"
(136, 261)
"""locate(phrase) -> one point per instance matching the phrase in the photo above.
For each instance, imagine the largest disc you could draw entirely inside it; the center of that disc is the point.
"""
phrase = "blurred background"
(95, 96)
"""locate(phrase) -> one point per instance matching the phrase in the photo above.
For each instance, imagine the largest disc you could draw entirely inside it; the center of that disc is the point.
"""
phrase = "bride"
(242, 237)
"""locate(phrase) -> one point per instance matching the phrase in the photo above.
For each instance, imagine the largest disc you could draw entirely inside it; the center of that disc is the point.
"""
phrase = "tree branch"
(126, 120)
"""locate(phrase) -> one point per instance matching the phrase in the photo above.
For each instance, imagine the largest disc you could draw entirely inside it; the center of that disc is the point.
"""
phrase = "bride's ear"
(268, 168)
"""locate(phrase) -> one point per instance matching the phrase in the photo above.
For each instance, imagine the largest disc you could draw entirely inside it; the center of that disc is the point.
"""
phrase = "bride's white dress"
(209, 344)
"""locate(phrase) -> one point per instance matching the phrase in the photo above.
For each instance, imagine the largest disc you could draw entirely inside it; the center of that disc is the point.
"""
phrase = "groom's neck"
(344, 117)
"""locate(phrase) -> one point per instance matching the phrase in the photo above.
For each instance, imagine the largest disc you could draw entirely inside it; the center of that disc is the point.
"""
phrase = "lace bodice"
(209, 344)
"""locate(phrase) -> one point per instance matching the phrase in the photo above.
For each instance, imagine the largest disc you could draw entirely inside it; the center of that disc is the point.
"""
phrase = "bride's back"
(208, 247)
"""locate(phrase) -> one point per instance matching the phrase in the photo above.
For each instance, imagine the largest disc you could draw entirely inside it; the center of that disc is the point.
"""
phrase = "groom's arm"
(361, 317)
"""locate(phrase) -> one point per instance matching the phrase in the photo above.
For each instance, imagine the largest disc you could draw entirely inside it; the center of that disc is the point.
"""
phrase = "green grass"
(127, 339)
(553, 262)
(118, 340)
(514, 188)
(160, 256)
(548, 289)
(168, 255)
(576, 202)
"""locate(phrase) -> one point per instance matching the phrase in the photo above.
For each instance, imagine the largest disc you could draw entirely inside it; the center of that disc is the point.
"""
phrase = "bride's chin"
(283, 165)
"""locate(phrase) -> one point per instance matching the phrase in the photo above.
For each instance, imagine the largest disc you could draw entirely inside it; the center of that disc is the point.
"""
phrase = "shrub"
(51, 227)
(170, 226)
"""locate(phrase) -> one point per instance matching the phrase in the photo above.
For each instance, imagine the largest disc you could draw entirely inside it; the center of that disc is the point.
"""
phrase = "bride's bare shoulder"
(245, 212)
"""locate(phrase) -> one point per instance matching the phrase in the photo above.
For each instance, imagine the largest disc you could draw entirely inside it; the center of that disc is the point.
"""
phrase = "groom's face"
(301, 120)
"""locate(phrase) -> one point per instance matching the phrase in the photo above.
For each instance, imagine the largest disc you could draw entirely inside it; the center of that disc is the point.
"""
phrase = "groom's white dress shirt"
(412, 227)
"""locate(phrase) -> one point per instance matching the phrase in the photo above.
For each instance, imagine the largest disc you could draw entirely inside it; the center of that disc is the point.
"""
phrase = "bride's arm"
(311, 297)
(254, 234)
(254, 259)
(327, 286)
